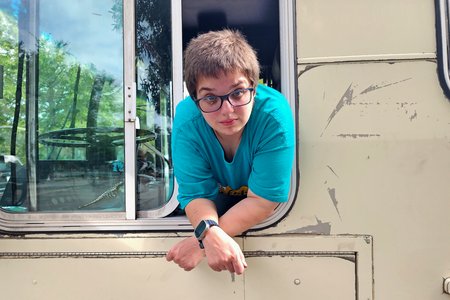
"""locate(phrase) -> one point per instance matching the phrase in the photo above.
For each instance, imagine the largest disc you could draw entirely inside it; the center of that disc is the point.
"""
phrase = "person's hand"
(222, 252)
(186, 254)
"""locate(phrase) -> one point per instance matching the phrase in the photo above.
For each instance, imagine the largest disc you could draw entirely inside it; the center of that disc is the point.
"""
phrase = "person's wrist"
(212, 233)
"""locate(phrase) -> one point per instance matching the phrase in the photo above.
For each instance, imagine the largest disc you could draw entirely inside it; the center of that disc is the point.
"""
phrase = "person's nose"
(226, 106)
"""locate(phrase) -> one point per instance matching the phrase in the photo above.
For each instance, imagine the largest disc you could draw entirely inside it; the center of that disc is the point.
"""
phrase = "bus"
(88, 198)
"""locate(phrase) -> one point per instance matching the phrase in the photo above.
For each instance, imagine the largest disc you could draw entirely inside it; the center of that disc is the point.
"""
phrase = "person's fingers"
(244, 262)
(230, 267)
(238, 267)
(188, 269)
(216, 268)
(169, 255)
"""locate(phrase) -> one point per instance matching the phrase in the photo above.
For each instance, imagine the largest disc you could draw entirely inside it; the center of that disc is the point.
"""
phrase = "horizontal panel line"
(158, 254)
(364, 58)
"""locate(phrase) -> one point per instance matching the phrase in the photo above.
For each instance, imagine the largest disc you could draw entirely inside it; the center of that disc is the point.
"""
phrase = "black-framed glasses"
(236, 98)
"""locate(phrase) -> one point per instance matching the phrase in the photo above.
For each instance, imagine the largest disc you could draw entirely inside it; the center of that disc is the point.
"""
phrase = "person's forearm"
(241, 217)
(201, 209)
(245, 214)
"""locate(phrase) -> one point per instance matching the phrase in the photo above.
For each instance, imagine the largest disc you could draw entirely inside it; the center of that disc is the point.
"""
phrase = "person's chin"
(228, 130)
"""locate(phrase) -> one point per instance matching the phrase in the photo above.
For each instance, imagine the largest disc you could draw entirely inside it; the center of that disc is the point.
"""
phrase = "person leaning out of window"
(233, 147)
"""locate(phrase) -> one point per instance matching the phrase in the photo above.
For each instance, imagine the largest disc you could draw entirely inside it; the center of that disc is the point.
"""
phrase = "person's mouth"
(228, 122)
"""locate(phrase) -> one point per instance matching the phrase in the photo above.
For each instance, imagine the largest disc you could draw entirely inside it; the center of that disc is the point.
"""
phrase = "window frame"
(288, 65)
(157, 220)
(443, 43)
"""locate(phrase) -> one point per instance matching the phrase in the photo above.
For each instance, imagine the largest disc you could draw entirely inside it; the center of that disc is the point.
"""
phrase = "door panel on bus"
(70, 267)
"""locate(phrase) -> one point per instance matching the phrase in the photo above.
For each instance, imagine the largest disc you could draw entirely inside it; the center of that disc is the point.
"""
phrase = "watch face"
(200, 229)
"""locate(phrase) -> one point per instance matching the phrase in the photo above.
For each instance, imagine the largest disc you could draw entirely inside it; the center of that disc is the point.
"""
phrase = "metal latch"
(130, 102)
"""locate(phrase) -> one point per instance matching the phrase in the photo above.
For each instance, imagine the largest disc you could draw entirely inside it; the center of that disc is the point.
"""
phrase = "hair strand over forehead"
(217, 52)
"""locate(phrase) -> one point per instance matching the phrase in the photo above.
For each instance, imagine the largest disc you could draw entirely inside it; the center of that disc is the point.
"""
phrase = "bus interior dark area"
(257, 20)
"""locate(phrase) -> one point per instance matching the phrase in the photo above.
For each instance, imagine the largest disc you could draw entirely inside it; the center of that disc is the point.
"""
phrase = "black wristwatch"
(202, 228)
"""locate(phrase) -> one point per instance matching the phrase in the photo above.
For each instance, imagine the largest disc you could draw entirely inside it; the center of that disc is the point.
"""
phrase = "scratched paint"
(377, 87)
(332, 171)
(345, 100)
(332, 193)
(413, 116)
(348, 99)
(320, 228)
(357, 135)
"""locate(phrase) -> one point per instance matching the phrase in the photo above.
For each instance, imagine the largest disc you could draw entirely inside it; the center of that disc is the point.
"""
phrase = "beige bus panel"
(309, 267)
(287, 266)
(375, 159)
(374, 138)
(96, 267)
(353, 29)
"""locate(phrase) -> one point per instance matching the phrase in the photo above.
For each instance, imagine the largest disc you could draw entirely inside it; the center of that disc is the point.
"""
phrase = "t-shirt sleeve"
(273, 157)
(192, 170)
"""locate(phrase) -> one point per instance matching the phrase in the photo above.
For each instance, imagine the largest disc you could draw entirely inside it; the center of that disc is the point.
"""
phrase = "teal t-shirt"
(262, 162)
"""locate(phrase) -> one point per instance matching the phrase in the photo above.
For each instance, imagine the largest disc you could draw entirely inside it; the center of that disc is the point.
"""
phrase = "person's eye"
(211, 99)
(237, 94)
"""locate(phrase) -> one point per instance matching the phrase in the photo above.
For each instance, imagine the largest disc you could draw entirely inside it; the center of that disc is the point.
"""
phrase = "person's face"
(228, 121)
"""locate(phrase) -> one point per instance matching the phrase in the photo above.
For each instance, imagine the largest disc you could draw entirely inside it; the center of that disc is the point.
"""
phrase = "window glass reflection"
(154, 102)
(61, 126)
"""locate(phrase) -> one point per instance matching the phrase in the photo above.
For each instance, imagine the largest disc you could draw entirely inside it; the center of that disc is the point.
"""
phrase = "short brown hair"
(216, 52)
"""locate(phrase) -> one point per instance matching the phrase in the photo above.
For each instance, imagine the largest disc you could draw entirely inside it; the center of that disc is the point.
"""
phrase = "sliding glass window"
(62, 126)
(62, 118)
